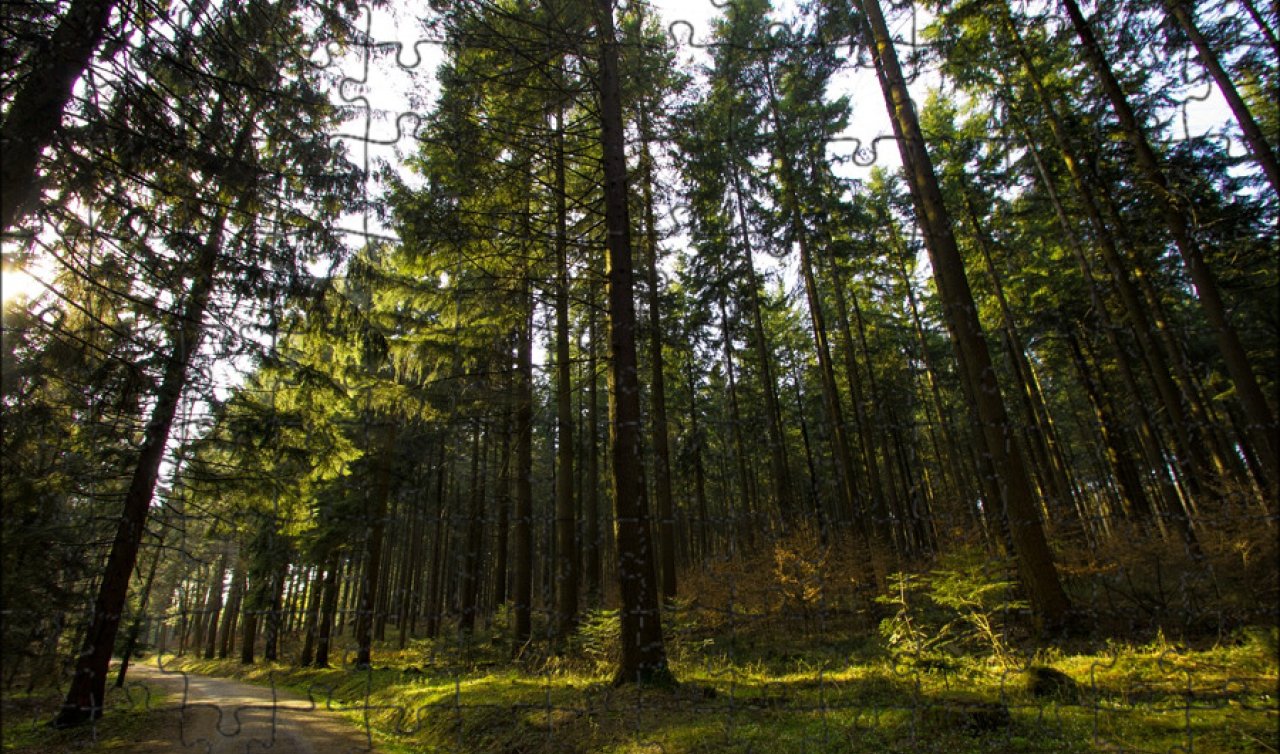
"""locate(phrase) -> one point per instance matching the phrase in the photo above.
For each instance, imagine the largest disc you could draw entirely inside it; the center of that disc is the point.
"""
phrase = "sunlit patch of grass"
(785, 698)
(134, 719)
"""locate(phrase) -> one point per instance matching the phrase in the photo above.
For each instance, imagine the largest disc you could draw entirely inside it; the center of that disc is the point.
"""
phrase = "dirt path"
(220, 716)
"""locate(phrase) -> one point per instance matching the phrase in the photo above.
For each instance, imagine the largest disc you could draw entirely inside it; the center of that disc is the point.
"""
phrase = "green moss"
(804, 697)
(129, 718)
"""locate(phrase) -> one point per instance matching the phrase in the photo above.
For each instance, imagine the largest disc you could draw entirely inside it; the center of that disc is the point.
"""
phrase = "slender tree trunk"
(657, 383)
(328, 610)
(699, 473)
(135, 627)
(522, 588)
(883, 499)
(215, 607)
(435, 591)
(592, 512)
(504, 515)
(1263, 429)
(249, 627)
(231, 615)
(85, 697)
(35, 113)
(275, 614)
(1182, 12)
(735, 416)
(643, 656)
(780, 471)
(1146, 426)
(1039, 430)
(312, 607)
(858, 396)
(1188, 452)
(568, 555)
(410, 565)
(830, 397)
(1036, 566)
(471, 563)
(1118, 456)
(950, 458)
(1264, 28)
(375, 527)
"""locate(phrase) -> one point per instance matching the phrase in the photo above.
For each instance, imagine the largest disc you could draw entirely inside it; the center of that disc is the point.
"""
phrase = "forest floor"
(162, 711)
(763, 688)
(816, 697)
(942, 661)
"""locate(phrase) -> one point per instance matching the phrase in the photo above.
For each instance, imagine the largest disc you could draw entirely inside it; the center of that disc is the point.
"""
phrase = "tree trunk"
(1264, 28)
(231, 615)
(658, 381)
(522, 587)
(503, 527)
(375, 526)
(1263, 429)
(745, 478)
(35, 113)
(1188, 453)
(249, 627)
(215, 606)
(699, 474)
(592, 512)
(1146, 425)
(837, 431)
(275, 614)
(471, 558)
(312, 623)
(328, 609)
(435, 590)
(1253, 136)
(1035, 561)
(643, 657)
(567, 553)
(780, 471)
(1118, 456)
(85, 697)
(135, 627)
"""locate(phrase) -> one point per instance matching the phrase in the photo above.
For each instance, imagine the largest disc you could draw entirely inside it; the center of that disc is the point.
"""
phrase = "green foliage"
(960, 606)
(597, 638)
(1130, 697)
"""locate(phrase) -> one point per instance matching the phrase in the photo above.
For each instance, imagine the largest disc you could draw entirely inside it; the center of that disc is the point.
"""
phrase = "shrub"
(957, 608)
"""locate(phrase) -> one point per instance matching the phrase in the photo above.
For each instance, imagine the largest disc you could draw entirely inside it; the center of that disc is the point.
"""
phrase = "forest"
(838, 375)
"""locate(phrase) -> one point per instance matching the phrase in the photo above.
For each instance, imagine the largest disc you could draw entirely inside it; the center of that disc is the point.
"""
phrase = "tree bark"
(522, 587)
(471, 558)
(1039, 575)
(1189, 455)
(328, 610)
(568, 556)
(375, 527)
(1263, 428)
(780, 471)
(231, 614)
(659, 426)
(136, 626)
(643, 657)
(35, 113)
(592, 506)
(837, 430)
(1253, 136)
(88, 686)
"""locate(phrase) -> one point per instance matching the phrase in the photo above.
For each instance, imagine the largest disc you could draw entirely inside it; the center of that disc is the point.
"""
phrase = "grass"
(798, 694)
(134, 719)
